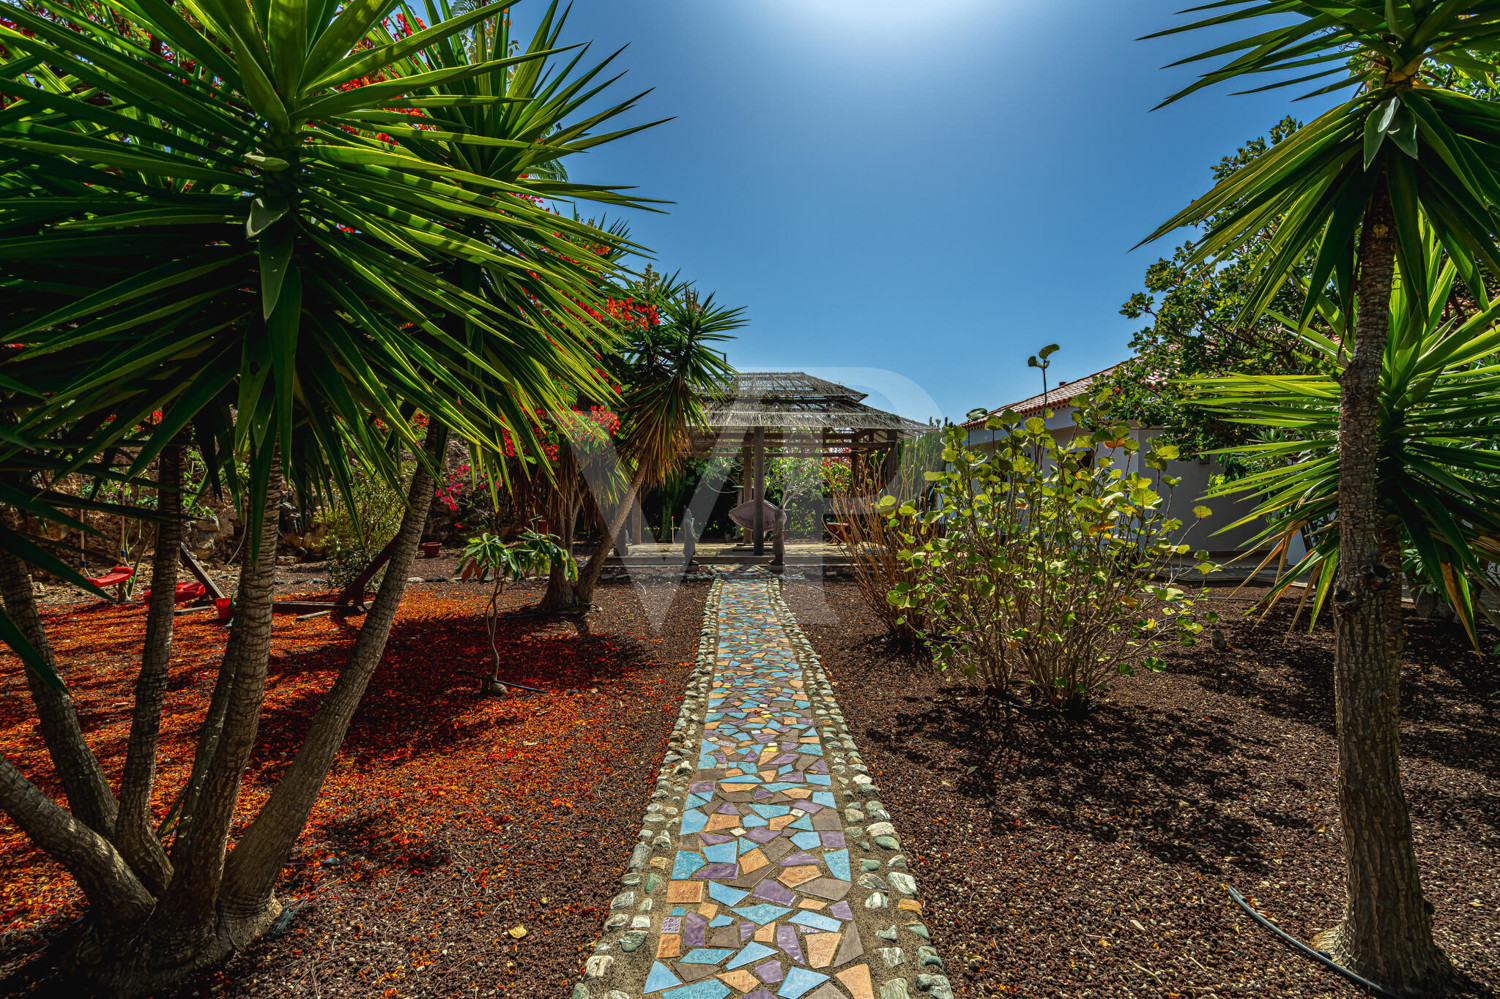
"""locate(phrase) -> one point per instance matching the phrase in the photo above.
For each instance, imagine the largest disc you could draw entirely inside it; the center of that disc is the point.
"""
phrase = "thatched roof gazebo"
(794, 414)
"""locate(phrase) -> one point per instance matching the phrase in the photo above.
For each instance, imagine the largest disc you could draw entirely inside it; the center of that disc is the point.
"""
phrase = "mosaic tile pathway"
(767, 867)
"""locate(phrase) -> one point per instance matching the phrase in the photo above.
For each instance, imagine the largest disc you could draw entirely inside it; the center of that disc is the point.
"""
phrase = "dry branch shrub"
(873, 544)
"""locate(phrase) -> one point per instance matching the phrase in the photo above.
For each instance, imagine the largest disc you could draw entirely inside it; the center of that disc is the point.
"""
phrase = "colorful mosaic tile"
(762, 808)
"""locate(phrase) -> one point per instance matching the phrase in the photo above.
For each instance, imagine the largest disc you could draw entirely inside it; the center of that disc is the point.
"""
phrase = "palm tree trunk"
(134, 836)
(83, 780)
(186, 916)
(588, 576)
(208, 738)
(1386, 931)
(263, 850)
(561, 593)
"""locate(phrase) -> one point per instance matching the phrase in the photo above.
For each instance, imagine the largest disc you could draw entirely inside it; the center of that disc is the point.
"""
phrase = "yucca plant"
(521, 119)
(209, 210)
(666, 373)
(1438, 474)
(511, 126)
(1354, 189)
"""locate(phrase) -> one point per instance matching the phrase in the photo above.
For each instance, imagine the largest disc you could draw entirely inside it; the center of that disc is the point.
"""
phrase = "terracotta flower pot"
(430, 549)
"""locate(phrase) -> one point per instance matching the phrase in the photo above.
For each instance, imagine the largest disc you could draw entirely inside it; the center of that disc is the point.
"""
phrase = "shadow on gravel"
(1166, 776)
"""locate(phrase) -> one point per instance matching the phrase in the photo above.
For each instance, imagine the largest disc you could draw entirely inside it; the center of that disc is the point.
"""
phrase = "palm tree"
(513, 125)
(228, 227)
(667, 374)
(1354, 187)
(1439, 470)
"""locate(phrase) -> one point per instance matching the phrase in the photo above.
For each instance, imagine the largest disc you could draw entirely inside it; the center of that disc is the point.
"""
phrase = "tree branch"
(134, 835)
(114, 892)
(83, 779)
(198, 852)
(260, 854)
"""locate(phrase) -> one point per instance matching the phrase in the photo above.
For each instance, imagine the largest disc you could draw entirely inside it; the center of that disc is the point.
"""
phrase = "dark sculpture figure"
(689, 538)
(778, 537)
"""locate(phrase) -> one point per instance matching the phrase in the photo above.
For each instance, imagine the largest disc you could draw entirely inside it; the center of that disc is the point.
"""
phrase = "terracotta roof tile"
(1062, 395)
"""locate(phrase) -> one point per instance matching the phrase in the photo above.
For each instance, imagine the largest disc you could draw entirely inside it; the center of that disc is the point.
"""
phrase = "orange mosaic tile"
(794, 876)
(740, 979)
(821, 948)
(857, 981)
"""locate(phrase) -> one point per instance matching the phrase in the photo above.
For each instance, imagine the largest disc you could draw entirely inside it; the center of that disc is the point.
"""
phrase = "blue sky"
(914, 197)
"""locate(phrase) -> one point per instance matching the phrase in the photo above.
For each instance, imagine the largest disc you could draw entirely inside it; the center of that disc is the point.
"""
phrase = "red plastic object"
(185, 592)
(113, 577)
(223, 606)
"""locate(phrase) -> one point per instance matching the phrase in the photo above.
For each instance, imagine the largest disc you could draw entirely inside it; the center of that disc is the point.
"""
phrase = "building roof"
(1062, 395)
(795, 399)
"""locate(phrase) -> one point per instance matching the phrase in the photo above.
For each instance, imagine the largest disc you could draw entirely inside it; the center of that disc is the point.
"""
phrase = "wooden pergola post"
(760, 490)
(892, 458)
(747, 478)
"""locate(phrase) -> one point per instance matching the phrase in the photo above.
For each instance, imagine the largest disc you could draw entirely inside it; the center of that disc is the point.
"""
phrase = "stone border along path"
(765, 869)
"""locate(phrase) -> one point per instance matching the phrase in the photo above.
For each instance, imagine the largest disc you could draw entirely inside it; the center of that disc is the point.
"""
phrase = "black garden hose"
(1307, 951)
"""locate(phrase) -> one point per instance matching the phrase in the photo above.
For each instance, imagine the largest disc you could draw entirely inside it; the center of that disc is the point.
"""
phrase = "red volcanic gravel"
(450, 818)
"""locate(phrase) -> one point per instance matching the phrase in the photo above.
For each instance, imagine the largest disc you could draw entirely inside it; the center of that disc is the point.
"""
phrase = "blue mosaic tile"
(685, 865)
(763, 913)
(799, 982)
(661, 977)
(720, 853)
(709, 988)
(723, 893)
(816, 921)
(751, 953)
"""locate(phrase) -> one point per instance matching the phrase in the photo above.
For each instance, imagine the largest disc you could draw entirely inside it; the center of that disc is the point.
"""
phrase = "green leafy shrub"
(797, 486)
(357, 531)
(1045, 558)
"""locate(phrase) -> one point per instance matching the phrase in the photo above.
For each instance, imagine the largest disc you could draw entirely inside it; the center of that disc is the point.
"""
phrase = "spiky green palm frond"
(1437, 153)
(1438, 476)
(673, 371)
(242, 226)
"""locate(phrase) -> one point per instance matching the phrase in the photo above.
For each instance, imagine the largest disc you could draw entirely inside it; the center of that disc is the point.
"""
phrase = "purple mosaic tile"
(786, 939)
(775, 891)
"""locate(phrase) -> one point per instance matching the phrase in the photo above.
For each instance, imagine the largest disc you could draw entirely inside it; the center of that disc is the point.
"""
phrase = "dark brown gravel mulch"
(1089, 858)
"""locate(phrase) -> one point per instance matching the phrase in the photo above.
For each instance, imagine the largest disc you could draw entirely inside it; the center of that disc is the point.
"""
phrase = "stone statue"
(778, 538)
(689, 538)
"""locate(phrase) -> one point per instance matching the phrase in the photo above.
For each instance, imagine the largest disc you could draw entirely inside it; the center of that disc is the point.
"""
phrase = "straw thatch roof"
(795, 399)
